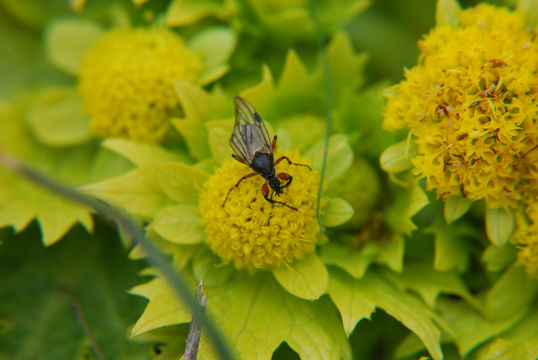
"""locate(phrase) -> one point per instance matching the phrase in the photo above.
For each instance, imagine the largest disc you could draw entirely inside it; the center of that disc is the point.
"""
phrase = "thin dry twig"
(195, 331)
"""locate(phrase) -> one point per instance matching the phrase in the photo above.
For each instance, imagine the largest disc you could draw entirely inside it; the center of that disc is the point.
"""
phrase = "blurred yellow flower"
(251, 232)
(471, 105)
(126, 82)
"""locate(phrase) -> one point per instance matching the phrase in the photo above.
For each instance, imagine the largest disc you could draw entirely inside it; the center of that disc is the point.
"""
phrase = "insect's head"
(274, 183)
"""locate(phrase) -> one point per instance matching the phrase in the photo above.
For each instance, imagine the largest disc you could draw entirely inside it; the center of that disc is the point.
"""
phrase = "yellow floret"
(126, 82)
(251, 232)
(472, 106)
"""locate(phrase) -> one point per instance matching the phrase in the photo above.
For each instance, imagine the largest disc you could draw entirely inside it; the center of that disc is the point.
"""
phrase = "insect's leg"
(273, 145)
(285, 177)
(236, 185)
(290, 162)
(239, 158)
(265, 192)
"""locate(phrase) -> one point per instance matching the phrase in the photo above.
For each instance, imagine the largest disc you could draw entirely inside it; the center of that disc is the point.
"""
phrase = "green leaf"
(469, 327)
(500, 300)
(372, 291)
(68, 40)
(336, 212)
(215, 44)
(499, 257)
(188, 12)
(181, 182)
(456, 207)
(451, 247)
(44, 291)
(406, 204)
(136, 191)
(396, 158)
(391, 253)
(355, 263)
(294, 71)
(339, 156)
(211, 74)
(208, 268)
(179, 224)
(447, 12)
(307, 278)
(499, 225)
(241, 307)
(56, 118)
(162, 309)
(429, 284)
(141, 154)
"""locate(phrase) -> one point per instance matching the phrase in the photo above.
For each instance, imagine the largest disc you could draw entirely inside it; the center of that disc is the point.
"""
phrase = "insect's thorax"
(263, 164)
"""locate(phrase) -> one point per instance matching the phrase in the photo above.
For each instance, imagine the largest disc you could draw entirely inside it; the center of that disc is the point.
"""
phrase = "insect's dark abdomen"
(263, 164)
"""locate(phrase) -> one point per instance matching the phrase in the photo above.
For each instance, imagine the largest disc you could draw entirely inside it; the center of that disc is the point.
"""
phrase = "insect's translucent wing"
(250, 134)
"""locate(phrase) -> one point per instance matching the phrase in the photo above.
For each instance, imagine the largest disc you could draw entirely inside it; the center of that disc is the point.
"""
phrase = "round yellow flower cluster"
(472, 106)
(251, 232)
(126, 82)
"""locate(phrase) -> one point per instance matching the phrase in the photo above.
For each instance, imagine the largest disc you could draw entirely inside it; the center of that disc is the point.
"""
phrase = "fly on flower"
(252, 146)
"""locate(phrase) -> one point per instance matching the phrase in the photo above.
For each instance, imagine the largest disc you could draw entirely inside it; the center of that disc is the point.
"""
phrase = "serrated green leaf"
(141, 154)
(374, 291)
(418, 200)
(451, 248)
(307, 278)
(349, 300)
(429, 284)
(215, 44)
(500, 224)
(455, 207)
(181, 182)
(294, 71)
(47, 291)
(391, 253)
(447, 12)
(339, 156)
(56, 118)
(470, 328)
(336, 212)
(500, 300)
(68, 40)
(162, 309)
(241, 306)
(185, 12)
(498, 257)
(395, 158)
(136, 191)
(179, 224)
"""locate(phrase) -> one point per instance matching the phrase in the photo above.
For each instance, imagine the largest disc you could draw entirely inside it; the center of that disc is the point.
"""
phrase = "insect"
(252, 146)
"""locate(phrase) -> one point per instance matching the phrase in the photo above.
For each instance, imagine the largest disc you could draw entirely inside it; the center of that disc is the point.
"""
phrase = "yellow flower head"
(251, 232)
(471, 104)
(126, 82)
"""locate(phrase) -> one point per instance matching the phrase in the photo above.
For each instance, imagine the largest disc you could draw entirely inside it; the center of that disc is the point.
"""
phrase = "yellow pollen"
(251, 232)
(126, 82)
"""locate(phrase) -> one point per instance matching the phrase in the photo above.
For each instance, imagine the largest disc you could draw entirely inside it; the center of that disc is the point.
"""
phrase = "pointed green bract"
(219, 133)
(68, 40)
(181, 182)
(498, 257)
(456, 207)
(375, 291)
(499, 225)
(294, 72)
(307, 278)
(406, 204)
(179, 224)
(336, 212)
(355, 263)
(215, 44)
(339, 156)
(136, 191)
(451, 247)
(56, 118)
